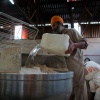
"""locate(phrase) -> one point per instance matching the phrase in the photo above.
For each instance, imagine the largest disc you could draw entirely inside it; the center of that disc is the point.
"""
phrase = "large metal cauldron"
(56, 86)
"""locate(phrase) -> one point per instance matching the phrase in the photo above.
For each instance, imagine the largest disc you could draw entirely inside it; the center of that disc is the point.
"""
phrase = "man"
(75, 60)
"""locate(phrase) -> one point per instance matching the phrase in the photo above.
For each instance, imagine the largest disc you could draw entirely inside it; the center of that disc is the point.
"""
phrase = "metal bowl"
(57, 86)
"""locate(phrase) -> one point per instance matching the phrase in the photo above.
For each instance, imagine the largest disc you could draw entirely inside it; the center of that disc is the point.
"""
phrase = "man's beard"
(57, 30)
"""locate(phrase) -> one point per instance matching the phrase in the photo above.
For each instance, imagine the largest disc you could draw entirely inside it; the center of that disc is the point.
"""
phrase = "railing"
(7, 27)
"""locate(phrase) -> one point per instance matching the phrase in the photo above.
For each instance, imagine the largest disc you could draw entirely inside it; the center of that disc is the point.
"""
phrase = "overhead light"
(70, 0)
(1, 27)
(72, 7)
(12, 1)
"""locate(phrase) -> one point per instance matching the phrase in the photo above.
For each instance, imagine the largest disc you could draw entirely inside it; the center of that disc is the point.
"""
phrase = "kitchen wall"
(93, 50)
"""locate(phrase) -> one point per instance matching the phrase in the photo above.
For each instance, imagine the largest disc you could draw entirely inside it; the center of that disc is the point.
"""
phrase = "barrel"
(53, 86)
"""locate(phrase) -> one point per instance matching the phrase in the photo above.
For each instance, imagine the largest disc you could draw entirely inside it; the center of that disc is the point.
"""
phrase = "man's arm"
(82, 45)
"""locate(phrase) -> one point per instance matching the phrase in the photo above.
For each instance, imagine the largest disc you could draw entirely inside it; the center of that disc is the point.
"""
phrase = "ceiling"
(41, 11)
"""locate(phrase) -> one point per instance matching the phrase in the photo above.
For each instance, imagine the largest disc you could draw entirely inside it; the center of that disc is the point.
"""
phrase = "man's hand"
(71, 47)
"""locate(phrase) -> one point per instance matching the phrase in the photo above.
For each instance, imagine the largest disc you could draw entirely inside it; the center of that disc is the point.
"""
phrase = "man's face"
(56, 28)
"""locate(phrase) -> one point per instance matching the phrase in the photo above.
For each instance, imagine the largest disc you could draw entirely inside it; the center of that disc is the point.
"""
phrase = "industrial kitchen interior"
(38, 61)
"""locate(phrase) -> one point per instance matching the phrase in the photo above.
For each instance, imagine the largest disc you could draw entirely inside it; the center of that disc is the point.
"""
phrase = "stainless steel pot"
(57, 86)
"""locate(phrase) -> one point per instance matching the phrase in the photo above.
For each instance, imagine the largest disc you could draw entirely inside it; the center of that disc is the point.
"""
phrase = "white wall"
(93, 50)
